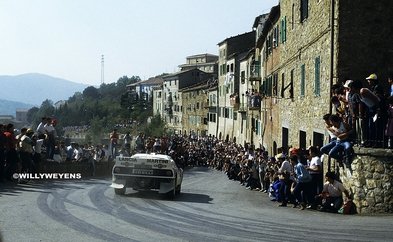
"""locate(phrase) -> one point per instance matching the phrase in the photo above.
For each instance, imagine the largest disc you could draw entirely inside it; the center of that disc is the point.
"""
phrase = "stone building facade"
(195, 109)
(172, 100)
(306, 47)
(230, 50)
(295, 86)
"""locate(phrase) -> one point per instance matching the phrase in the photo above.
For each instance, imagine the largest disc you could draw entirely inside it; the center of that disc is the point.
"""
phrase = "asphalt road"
(210, 208)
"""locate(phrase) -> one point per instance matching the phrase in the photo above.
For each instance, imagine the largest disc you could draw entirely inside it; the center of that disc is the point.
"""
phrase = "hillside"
(34, 88)
(9, 107)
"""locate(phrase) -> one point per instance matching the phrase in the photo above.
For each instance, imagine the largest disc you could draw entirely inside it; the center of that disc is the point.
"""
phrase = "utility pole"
(102, 69)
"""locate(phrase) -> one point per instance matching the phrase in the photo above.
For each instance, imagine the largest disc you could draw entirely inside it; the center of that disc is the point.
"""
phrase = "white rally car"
(147, 172)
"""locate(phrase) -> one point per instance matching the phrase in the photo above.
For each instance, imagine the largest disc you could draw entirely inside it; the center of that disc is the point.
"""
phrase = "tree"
(91, 92)
(156, 127)
(31, 114)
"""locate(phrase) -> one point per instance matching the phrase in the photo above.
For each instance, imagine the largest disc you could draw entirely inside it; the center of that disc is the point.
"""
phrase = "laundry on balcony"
(234, 99)
(254, 101)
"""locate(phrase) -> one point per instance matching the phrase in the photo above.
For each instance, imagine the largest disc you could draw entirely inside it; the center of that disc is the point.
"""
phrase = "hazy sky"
(66, 38)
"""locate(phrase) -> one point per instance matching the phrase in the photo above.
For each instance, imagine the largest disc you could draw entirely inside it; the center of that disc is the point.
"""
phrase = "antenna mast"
(102, 69)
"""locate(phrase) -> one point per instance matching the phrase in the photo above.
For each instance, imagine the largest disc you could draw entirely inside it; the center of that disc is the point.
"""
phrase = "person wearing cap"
(331, 197)
(375, 87)
(380, 115)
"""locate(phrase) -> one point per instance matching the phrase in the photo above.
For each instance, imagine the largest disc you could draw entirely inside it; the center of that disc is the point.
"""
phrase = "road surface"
(210, 208)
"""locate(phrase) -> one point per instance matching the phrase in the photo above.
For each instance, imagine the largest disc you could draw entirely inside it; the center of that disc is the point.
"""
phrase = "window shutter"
(302, 80)
(317, 87)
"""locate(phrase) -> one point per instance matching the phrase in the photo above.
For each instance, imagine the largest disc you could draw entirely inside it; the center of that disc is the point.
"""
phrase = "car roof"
(151, 156)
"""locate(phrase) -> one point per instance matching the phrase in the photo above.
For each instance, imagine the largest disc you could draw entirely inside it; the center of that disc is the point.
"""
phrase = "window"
(317, 84)
(282, 85)
(285, 138)
(276, 31)
(291, 87)
(302, 139)
(283, 33)
(275, 84)
(317, 139)
(266, 87)
(302, 80)
(243, 77)
(226, 114)
(293, 16)
(303, 10)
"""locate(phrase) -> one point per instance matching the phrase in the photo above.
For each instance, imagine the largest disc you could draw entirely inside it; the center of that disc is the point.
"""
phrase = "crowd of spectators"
(364, 117)
(367, 110)
(290, 177)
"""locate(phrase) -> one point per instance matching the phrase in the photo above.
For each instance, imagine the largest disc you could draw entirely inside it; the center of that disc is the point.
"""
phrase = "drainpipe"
(331, 51)
(331, 61)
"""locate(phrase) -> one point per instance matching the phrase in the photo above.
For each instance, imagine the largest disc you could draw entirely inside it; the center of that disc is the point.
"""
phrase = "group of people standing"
(368, 110)
(23, 151)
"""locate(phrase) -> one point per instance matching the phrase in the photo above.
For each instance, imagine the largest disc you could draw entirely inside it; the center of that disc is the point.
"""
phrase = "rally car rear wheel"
(178, 189)
(120, 191)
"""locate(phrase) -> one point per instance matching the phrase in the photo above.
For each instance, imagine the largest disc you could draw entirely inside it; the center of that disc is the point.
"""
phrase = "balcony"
(255, 72)
(254, 102)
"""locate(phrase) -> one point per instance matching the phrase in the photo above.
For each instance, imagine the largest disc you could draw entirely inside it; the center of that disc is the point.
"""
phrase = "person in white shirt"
(51, 138)
(331, 198)
(78, 153)
(315, 170)
(41, 127)
(37, 157)
(285, 164)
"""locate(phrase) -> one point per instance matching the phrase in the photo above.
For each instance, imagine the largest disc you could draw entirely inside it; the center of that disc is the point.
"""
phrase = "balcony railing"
(255, 72)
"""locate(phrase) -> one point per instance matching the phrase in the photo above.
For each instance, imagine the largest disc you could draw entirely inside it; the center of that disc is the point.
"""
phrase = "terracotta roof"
(151, 81)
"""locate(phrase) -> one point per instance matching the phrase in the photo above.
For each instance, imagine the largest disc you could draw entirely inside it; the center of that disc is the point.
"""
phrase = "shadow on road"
(13, 188)
(182, 197)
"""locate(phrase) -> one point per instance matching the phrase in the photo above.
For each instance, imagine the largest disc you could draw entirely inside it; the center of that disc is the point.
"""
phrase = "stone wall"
(102, 168)
(371, 180)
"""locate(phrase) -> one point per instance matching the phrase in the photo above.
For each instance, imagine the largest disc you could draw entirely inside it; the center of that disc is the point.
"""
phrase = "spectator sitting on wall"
(334, 149)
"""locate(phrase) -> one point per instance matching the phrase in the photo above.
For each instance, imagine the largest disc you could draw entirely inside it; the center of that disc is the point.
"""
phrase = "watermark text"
(47, 176)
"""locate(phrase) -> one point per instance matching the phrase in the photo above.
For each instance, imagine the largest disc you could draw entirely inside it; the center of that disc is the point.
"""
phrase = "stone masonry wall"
(371, 180)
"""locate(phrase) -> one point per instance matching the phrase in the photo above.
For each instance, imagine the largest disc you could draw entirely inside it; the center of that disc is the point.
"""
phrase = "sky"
(145, 38)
